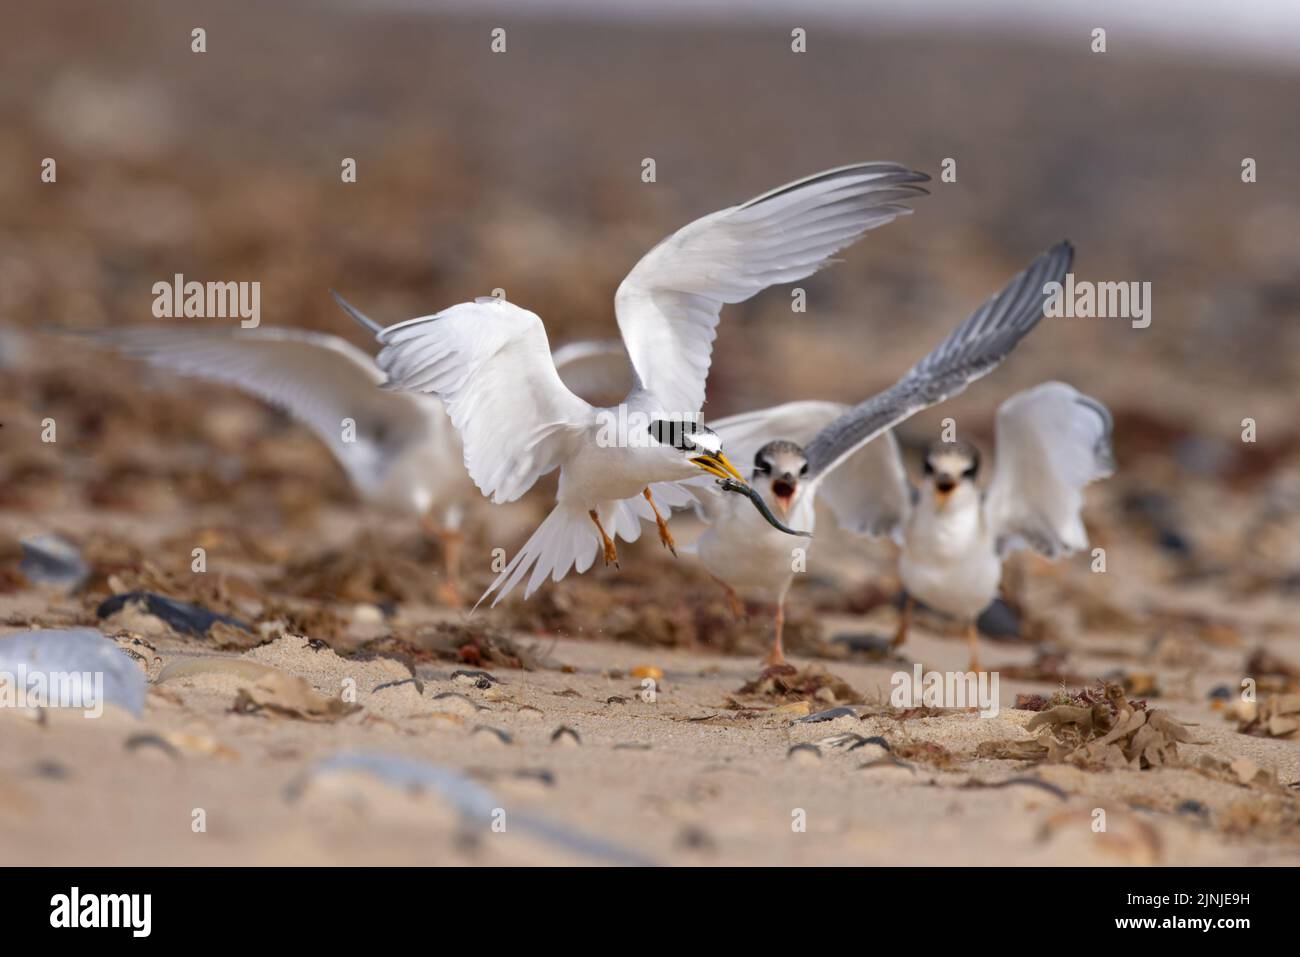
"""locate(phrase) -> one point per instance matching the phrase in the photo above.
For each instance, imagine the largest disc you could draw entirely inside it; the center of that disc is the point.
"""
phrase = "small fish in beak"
(729, 480)
(731, 485)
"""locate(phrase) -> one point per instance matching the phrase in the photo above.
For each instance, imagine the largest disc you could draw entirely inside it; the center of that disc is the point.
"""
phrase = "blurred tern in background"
(1052, 440)
(399, 449)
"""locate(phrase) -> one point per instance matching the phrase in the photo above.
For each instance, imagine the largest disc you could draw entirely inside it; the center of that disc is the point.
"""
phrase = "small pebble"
(52, 770)
(479, 679)
(869, 643)
(367, 614)
(828, 715)
(694, 838)
(52, 560)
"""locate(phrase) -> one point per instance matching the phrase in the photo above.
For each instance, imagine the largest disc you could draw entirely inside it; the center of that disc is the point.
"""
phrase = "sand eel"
(490, 362)
(399, 450)
(1052, 440)
(847, 456)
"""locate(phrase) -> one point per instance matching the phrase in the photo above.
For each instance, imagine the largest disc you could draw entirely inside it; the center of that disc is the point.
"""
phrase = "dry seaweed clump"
(660, 604)
(369, 571)
(1273, 672)
(814, 683)
(448, 641)
(1277, 717)
(927, 752)
(1084, 697)
(1241, 771)
(1097, 731)
(290, 696)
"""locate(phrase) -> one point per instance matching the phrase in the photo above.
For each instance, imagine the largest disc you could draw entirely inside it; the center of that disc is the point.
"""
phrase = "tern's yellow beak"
(715, 463)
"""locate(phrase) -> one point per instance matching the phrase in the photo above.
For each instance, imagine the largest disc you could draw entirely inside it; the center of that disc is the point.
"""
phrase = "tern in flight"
(490, 363)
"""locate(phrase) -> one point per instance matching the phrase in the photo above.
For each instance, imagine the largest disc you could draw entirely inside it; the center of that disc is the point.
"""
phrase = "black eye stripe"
(672, 433)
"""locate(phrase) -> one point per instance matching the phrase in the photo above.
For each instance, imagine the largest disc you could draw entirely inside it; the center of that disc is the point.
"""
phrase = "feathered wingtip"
(357, 314)
(565, 539)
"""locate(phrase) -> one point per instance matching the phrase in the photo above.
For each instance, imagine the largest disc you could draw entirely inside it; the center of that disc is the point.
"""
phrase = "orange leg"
(611, 553)
(973, 637)
(777, 655)
(737, 606)
(904, 621)
(665, 536)
(451, 542)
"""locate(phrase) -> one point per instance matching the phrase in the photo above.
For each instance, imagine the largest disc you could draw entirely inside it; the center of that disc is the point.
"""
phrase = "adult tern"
(490, 362)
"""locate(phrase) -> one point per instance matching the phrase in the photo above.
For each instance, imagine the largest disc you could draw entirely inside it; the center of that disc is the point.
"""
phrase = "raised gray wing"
(1052, 440)
(973, 350)
(869, 493)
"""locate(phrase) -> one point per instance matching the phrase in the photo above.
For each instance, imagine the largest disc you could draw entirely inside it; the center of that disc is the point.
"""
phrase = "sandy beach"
(346, 711)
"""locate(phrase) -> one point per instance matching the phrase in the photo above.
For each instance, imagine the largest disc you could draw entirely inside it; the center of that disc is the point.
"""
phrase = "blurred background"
(522, 170)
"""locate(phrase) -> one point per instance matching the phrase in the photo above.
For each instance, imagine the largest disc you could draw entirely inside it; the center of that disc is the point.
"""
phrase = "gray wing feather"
(317, 378)
(869, 493)
(973, 350)
(365, 321)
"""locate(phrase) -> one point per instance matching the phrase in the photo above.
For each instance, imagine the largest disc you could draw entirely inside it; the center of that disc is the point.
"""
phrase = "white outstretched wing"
(490, 363)
(319, 379)
(868, 492)
(668, 305)
(1052, 440)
